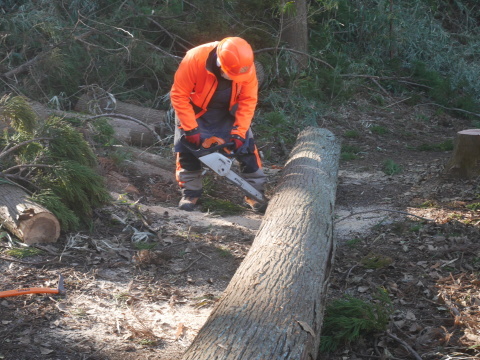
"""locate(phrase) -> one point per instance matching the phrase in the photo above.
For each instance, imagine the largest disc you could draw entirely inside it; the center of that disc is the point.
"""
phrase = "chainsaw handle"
(202, 151)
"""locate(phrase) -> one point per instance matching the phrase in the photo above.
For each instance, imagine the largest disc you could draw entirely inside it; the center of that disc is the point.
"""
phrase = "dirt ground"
(142, 283)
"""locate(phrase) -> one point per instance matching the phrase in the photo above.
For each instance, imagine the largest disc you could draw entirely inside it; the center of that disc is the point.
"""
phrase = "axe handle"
(34, 290)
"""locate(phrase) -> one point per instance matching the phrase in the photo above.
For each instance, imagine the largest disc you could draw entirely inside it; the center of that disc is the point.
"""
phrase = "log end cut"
(40, 228)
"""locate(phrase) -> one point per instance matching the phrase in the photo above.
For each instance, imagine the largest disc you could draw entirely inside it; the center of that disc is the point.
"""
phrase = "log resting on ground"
(273, 307)
(25, 219)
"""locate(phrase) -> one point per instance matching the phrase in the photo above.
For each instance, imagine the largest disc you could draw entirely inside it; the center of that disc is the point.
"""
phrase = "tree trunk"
(295, 30)
(273, 307)
(465, 161)
(28, 221)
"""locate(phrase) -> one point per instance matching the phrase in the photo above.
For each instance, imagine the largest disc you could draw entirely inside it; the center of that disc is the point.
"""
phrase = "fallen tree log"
(273, 306)
(25, 219)
(465, 160)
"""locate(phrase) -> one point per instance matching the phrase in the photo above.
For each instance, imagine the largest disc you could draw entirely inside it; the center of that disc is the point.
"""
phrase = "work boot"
(255, 205)
(187, 203)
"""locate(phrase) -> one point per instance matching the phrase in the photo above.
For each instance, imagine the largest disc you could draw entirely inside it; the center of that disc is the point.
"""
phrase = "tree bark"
(294, 30)
(25, 219)
(465, 161)
(273, 306)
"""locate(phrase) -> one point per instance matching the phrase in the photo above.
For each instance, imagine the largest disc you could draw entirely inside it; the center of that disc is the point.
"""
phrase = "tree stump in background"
(465, 161)
(28, 221)
(273, 306)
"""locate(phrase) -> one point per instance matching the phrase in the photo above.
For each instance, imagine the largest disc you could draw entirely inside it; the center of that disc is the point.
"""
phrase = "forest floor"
(143, 281)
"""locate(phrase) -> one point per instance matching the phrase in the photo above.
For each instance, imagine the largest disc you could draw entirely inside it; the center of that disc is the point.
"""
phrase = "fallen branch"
(408, 347)
(451, 109)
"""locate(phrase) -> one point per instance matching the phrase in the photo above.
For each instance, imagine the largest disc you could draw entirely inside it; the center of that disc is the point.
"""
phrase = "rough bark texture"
(273, 307)
(28, 221)
(465, 161)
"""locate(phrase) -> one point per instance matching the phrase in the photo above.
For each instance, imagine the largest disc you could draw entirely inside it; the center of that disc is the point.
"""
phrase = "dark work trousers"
(217, 121)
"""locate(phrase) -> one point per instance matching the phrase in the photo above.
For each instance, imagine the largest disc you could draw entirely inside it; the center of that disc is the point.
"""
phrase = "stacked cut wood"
(273, 306)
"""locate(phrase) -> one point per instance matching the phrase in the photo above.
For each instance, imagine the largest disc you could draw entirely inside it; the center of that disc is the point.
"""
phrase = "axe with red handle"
(36, 290)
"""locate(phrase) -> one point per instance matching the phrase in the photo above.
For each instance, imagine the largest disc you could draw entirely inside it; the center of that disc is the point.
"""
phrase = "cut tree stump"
(273, 306)
(25, 219)
(465, 161)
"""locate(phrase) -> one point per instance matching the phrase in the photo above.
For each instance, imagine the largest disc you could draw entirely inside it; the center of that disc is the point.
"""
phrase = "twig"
(189, 266)
(453, 109)
(408, 347)
(379, 210)
(25, 262)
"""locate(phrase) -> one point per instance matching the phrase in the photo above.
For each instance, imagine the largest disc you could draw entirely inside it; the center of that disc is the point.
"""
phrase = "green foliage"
(78, 185)
(349, 152)
(67, 143)
(67, 218)
(446, 145)
(142, 245)
(376, 261)
(220, 206)
(61, 176)
(17, 112)
(390, 167)
(349, 319)
(104, 132)
(351, 134)
(378, 130)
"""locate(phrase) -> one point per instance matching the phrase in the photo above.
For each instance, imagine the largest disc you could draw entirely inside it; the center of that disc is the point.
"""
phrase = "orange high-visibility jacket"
(194, 85)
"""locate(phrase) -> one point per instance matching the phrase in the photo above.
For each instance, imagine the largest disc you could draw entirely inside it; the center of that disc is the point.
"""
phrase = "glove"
(237, 142)
(194, 139)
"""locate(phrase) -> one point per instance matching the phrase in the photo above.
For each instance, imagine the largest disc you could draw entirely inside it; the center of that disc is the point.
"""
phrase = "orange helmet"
(235, 56)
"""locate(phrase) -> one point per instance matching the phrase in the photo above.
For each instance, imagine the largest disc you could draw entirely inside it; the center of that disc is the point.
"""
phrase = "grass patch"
(224, 252)
(378, 130)
(349, 152)
(23, 252)
(473, 207)
(390, 167)
(354, 242)
(349, 319)
(447, 145)
(376, 261)
(142, 245)
(220, 207)
(351, 134)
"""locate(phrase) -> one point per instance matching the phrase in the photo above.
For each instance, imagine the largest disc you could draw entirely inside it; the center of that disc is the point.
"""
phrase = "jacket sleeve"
(183, 85)
(247, 102)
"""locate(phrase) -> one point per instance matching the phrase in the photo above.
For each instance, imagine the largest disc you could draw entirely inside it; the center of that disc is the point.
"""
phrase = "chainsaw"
(215, 155)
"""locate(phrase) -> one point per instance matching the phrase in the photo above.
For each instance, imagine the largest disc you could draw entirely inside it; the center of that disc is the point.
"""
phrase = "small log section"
(273, 307)
(465, 161)
(28, 221)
